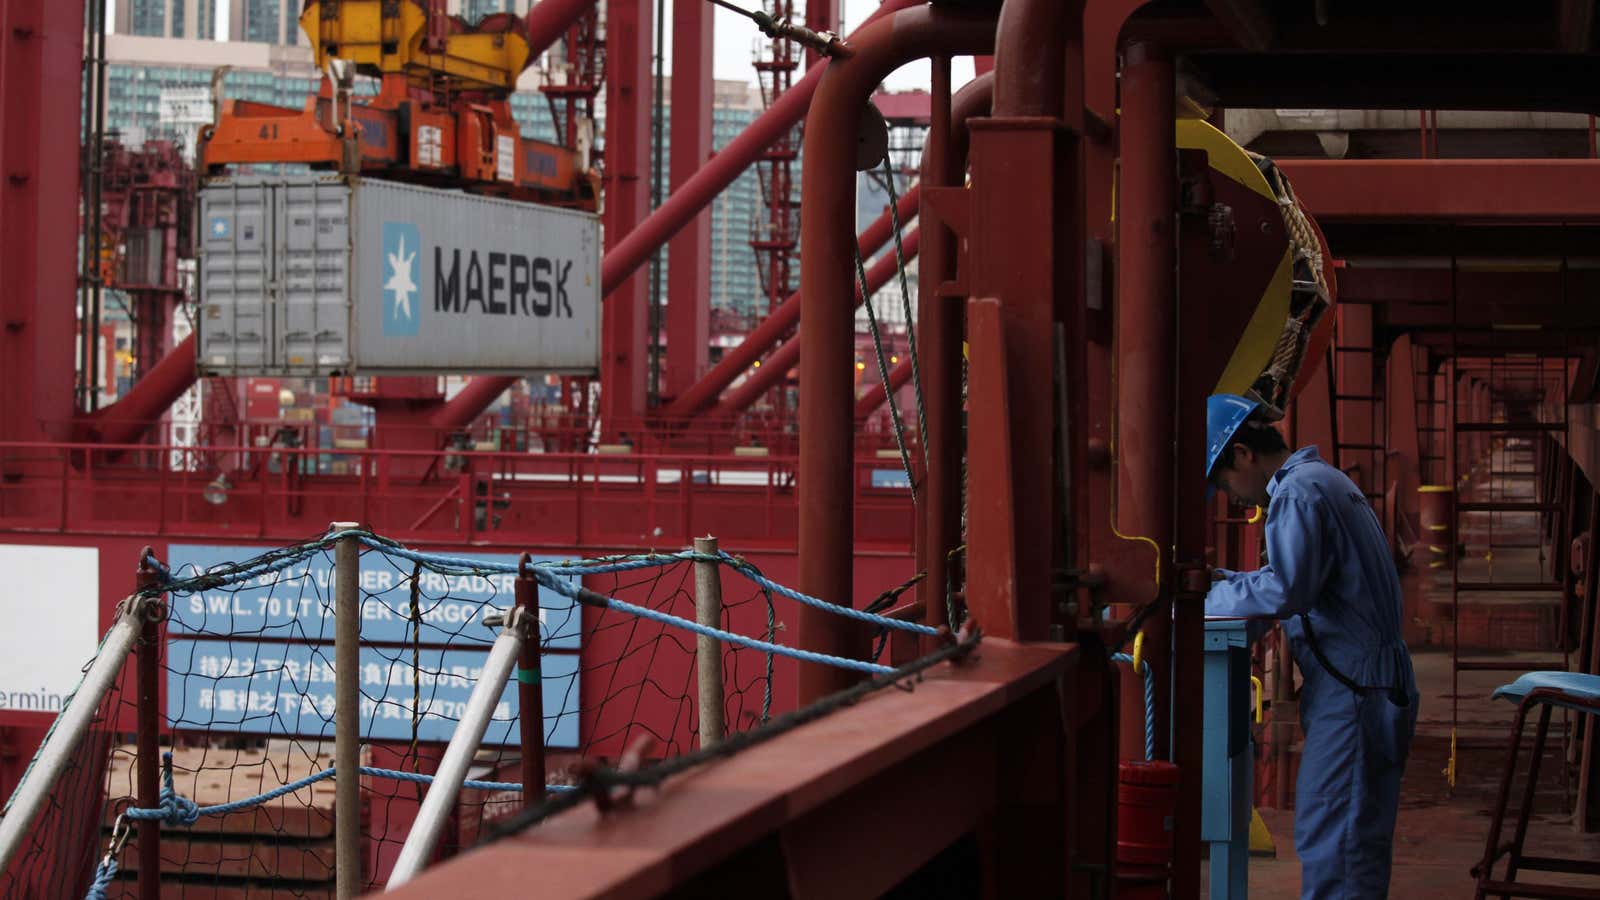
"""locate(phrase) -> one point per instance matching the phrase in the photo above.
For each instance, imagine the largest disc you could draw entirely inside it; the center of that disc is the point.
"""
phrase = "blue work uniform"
(1328, 558)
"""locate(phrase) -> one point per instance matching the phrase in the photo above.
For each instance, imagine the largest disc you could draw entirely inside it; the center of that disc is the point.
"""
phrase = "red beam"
(548, 21)
(873, 397)
(777, 366)
(623, 362)
(124, 421)
(688, 310)
(777, 326)
(1495, 189)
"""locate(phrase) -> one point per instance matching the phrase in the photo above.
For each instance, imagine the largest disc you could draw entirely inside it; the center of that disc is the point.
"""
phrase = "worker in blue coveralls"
(1330, 577)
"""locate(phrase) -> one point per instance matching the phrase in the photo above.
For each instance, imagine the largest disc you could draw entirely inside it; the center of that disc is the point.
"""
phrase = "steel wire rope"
(883, 373)
(905, 302)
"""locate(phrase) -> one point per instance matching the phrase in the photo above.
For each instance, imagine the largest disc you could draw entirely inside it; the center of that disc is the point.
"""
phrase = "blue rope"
(103, 876)
(571, 591)
(1149, 704)
(847, 611)
(568, 590)
(177, 811)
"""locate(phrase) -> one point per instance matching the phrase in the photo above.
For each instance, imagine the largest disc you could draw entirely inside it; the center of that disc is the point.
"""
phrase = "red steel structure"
(1081, 259)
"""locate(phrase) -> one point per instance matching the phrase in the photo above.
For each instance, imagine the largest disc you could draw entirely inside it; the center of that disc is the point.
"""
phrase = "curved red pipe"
(827, 320)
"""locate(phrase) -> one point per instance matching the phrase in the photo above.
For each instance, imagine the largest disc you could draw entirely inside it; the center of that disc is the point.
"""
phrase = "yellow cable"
(1256, 683)
(1138, 653)
(1256, 516)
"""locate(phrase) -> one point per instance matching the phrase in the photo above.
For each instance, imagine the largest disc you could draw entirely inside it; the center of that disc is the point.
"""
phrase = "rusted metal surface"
(827, 324)
(813, 814)
(1146, 345)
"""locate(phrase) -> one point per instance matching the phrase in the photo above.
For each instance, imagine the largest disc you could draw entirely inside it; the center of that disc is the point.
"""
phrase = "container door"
(235, 328)
(313, 310)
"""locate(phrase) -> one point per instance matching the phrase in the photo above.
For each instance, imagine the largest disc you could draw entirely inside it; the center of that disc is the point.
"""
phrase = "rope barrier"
(179, 811)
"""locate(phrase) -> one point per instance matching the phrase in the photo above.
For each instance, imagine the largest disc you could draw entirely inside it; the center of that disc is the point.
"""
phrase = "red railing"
(550, 499)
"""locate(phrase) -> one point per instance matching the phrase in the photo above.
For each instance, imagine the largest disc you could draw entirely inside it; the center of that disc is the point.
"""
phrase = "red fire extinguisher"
(1147, 796)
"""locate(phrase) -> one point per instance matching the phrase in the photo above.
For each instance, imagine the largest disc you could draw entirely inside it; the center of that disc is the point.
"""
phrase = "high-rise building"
(736, 213)
(166, 18)
(265, 21)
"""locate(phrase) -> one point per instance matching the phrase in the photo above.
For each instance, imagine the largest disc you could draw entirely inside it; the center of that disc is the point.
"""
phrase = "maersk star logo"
(219, 227)
(402, 309)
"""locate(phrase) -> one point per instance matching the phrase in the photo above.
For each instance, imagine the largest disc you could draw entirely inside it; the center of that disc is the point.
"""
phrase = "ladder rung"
(1361, 446)
(1512, 427)
(1352, 349)
(1508, 586)
(1353, 397)
(1509, 665)
(1506, 507)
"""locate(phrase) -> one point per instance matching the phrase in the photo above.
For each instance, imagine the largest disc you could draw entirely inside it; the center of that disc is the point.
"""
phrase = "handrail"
(69, 727)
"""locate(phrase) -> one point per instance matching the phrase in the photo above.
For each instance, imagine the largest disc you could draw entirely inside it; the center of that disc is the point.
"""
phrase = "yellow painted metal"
(382, 44)
(1254, 350)
(1257, 516)
(1138, 653)
(1436, 489)
(1256, 683)
(1261, 843)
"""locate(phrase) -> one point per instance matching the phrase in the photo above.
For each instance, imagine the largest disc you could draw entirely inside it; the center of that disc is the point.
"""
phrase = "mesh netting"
(248, 675)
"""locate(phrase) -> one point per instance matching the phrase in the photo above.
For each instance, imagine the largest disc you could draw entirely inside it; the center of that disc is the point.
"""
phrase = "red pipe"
(827, 323)
(125, 420)
(780, 322)
(775, 367)
(873, 397)
(730, 162)
(473, 398)
(548, 21)
(1147, 345)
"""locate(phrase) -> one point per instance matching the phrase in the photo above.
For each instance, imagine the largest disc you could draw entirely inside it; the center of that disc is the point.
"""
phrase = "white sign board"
(51, 599)
(186, 106)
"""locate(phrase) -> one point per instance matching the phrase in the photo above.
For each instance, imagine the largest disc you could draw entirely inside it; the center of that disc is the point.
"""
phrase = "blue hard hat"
(1224, 414)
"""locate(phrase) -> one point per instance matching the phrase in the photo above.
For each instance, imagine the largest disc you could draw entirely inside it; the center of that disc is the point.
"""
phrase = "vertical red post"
(530, 688)
(41, 64)
(1147, 345)
(689, 252)
(939, 321)
(148, 733)
(623, 362)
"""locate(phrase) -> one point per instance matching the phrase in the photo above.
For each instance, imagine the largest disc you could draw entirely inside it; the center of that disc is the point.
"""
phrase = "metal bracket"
(518, 620)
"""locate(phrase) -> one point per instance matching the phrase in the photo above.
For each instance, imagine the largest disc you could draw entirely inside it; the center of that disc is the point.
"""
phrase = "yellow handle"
(1256, 516)
(1138, 653)
(1256, 683)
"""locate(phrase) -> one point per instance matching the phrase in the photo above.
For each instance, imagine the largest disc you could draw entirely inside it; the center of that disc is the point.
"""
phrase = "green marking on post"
(527, 676)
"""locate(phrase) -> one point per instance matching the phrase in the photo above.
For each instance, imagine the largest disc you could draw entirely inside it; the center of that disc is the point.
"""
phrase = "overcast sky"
(736, 36)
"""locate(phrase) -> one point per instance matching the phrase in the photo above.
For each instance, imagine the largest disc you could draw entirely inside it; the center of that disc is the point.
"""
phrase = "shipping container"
(331, 275)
